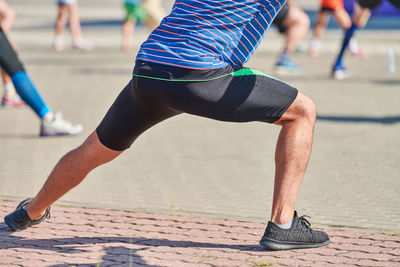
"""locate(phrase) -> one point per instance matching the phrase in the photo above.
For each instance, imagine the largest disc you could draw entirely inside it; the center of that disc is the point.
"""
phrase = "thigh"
(245, 95)
(130, 115)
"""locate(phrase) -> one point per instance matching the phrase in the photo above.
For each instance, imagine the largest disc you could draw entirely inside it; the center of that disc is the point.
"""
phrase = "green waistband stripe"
(241, 72)
(248, 71)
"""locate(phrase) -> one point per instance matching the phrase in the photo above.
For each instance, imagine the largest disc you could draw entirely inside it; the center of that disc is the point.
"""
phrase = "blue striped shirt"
(210, 34)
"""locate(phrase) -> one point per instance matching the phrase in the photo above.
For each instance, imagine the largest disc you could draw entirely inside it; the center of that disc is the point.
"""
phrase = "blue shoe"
(286, 66)
(19, 219)
(340, 72)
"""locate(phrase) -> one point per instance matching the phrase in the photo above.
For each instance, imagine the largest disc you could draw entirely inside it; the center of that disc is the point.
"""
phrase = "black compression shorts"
(327, 9)
(158, 92)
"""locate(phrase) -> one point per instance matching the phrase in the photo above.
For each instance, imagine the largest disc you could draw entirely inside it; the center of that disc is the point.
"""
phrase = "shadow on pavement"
(394, 82)
(18, 136)
(354, 119)
(75, 246)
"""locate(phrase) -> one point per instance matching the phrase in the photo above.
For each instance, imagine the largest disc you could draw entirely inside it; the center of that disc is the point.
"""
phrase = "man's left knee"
(305, 108)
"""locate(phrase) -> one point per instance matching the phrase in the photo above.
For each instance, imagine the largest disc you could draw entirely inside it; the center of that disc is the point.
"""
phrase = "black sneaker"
(300, 235)
(19, 219)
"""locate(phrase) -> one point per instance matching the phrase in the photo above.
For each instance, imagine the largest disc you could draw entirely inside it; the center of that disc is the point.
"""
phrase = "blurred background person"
(134, 13)
(336, 8)
(294, 23)
(149, 12)
(10, 97)
(155, 13)
(69, 9)
(50, 124)
(361, 15)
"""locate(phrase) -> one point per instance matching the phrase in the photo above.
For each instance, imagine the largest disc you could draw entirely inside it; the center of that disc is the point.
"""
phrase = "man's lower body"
(158, 92)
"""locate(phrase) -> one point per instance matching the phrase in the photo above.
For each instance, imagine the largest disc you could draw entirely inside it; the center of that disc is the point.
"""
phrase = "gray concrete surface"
(197, 166)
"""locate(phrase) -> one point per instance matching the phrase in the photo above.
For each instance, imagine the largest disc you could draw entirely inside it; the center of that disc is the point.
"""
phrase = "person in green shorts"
(134, 13)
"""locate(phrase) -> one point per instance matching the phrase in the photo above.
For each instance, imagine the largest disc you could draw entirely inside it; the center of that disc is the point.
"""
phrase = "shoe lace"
(305, 222)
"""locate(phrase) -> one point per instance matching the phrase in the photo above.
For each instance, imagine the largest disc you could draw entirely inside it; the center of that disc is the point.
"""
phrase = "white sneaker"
(59, 127)
(13, 101)
(58, 43)
(82, 44)
(314, 48)
(340, 74)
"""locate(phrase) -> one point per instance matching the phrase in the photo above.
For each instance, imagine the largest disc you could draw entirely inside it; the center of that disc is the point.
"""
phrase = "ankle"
(33, 215)
(282, 218)
(8, 89)
(48, 117)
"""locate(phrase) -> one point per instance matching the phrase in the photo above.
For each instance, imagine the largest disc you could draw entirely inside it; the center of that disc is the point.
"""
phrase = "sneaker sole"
(270, 244)
(340, 77)
(57, 134)
(11, 106)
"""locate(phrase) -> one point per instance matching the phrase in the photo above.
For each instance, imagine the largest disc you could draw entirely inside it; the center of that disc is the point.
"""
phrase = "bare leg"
(128, 27)
(69, 172)
(59, 28)
(322, 21)
(155, 12)
(361, 16)
(297, 23)
(61, 20)
(342, 18)
(292, 154)
(78, 41)
(7, 16)
(74, 22)
(6, 79)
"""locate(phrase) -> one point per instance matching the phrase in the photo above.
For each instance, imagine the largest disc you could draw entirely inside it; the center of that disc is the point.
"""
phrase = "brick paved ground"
(198, 165)
(87, 237)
